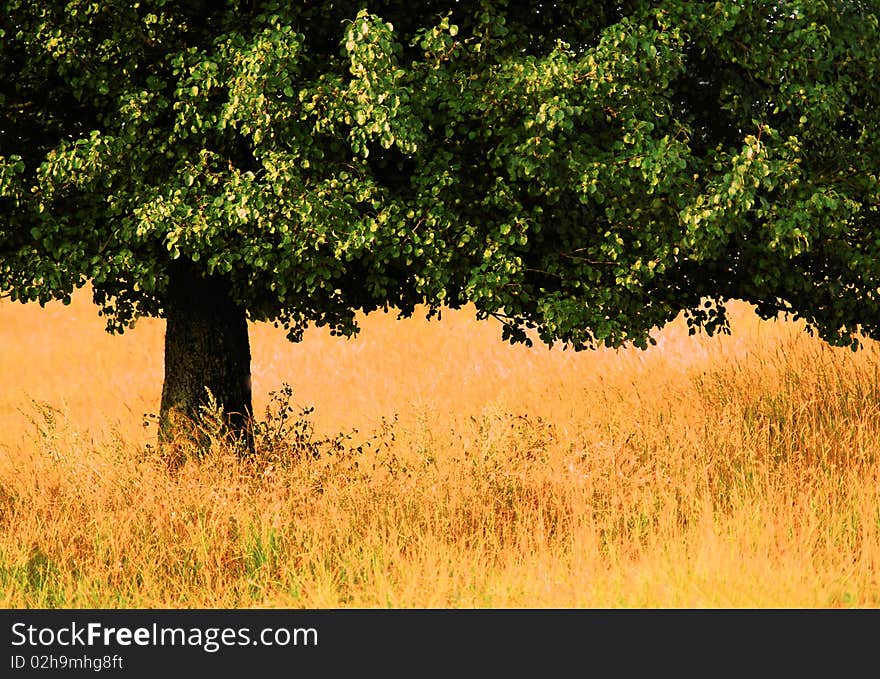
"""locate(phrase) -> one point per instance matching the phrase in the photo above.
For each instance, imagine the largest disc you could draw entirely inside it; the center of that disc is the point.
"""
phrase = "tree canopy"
(583, 171)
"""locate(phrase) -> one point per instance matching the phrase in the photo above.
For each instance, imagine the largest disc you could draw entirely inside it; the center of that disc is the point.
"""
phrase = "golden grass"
(737, 471)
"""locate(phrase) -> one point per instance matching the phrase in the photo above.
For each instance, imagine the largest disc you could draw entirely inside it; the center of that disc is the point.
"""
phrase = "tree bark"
(206, 349)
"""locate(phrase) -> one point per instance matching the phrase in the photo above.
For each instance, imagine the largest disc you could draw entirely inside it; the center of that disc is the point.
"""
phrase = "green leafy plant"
(582, 172)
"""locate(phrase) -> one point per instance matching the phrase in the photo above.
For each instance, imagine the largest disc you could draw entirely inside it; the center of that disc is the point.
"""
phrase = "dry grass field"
(449, 470)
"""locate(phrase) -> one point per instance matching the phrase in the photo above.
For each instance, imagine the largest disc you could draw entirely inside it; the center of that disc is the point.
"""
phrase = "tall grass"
(442, 468)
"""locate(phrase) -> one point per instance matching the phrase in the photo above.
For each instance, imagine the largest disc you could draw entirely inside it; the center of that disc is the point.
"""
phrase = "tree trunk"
(206, 349)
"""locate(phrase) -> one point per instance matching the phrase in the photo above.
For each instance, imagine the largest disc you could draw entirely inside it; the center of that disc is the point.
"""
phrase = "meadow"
(430, 464)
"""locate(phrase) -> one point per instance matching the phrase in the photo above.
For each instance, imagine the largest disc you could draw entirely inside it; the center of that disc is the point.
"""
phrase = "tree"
(581, 171)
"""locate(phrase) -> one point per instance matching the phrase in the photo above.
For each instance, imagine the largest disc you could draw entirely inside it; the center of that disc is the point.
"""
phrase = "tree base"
(207, 388)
